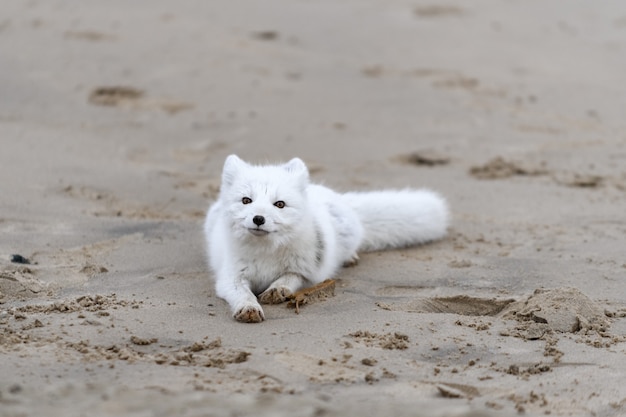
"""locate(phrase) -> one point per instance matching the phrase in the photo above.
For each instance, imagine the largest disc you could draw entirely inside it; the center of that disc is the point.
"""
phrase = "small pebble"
(19, 259)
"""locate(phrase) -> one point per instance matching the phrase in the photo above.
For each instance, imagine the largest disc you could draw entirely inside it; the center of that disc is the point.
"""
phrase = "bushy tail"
(398, 218)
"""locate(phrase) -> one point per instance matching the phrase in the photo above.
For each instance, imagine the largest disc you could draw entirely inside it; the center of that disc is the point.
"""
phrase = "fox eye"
(246, 200)
(280, 204)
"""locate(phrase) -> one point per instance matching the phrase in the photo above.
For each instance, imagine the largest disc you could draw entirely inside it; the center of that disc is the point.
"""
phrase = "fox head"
(264, 203)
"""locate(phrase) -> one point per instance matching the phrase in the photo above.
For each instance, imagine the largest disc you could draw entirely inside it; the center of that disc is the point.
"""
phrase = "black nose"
(258, 220)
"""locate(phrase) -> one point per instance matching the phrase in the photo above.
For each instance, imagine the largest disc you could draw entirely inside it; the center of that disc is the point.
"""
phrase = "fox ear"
(232, 166)
(297, 167)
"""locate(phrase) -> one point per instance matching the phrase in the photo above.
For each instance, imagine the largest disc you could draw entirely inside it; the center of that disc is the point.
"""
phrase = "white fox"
(271, 232)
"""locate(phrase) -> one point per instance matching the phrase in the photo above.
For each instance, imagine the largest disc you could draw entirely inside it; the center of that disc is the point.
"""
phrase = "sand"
(116, 117)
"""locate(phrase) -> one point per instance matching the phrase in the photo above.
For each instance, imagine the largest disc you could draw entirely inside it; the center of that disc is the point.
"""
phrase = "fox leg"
(242, 301)
(281, 289)
(353, 261)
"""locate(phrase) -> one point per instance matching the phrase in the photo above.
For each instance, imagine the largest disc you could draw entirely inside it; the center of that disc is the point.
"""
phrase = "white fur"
(310, 238)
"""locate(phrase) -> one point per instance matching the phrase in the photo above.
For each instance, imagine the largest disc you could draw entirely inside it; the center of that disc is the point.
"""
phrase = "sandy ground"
(115, 118)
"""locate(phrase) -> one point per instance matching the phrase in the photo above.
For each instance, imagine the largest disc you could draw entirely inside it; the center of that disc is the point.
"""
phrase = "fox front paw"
(275, 295)
(249, 314)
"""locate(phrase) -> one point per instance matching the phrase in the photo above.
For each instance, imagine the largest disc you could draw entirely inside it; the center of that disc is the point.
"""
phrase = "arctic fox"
(272, 232)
